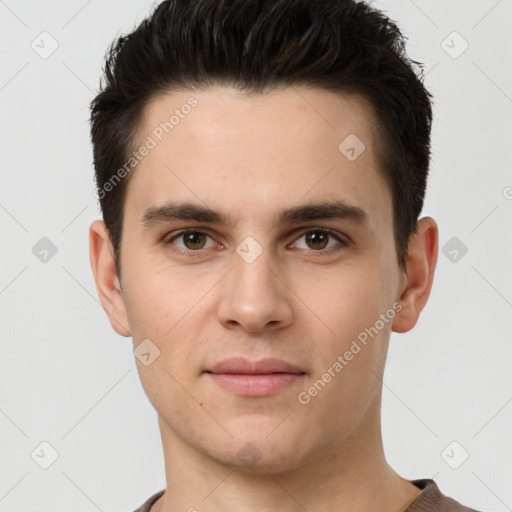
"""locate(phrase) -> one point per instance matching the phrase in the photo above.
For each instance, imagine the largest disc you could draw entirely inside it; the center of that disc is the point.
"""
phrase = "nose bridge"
(253, 273)
(254, 296)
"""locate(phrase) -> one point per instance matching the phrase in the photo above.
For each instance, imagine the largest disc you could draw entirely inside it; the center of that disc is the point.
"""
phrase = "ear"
(419, 274)
(107, 282)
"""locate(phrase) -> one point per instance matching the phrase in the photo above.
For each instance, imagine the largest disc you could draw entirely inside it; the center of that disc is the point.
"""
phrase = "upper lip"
(261, 367)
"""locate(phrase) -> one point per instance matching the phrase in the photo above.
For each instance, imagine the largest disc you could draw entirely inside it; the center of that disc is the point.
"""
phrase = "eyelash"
(323, 231)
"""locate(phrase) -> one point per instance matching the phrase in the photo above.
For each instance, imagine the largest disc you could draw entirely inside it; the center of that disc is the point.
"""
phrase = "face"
(284, 250)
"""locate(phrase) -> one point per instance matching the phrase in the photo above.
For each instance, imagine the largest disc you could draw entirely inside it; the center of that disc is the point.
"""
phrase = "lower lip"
(256, 385)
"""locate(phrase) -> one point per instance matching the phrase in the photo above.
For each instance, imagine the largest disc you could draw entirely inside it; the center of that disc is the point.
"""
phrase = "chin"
(257, 450)
(255, 460)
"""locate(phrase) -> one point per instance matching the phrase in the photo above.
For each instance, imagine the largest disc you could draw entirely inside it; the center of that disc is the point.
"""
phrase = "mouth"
(255, 378)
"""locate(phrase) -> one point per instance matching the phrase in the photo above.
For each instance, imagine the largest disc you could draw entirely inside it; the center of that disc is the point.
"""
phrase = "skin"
(249, 157)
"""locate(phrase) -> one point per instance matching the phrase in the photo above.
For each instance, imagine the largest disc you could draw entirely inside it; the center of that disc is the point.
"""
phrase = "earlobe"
(107, 281)
(419, 275)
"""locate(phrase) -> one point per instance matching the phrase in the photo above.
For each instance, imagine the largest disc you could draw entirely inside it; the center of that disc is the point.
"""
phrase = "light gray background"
(68, 379)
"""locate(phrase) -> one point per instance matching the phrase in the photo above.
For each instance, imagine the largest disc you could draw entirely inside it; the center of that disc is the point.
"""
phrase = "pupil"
(313, 236)
(193, 239)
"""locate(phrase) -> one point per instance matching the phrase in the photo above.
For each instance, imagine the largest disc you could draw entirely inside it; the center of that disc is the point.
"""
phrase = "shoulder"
(146, 506)
(431, 499)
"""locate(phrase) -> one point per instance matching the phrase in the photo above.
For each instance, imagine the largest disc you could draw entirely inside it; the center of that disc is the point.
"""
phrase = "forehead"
(251, 153)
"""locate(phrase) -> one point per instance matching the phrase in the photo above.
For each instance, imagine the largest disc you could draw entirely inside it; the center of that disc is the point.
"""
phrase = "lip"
(255, 378)
(241, 365)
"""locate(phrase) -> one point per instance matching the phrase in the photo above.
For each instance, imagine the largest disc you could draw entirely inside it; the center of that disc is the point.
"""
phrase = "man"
(261, 168)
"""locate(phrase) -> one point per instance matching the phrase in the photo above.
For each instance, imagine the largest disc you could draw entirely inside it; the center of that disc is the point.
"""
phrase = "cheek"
(168, 309)
(347, 309)
(345, 300)
(159, 310)
(156, 302)
(352, 351)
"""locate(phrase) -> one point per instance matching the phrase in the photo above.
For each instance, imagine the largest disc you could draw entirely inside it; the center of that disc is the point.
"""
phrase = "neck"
(352, 476)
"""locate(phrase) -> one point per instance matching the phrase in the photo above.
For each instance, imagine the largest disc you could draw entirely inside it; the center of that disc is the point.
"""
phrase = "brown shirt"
(430, 499)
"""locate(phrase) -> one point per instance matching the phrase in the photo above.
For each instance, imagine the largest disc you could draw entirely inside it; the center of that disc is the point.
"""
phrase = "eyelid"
(167, 240)
(336, 234)
(343, 240)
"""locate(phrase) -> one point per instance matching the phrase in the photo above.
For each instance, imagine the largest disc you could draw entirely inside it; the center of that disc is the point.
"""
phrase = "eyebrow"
(172, 211)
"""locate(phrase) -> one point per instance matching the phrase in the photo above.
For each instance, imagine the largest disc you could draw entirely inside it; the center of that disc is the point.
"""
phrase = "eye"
(192, 240)
(318, 239)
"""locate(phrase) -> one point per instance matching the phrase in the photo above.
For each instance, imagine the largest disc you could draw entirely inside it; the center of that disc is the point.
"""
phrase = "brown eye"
(319, 239)
(190, 241)
(195, 240)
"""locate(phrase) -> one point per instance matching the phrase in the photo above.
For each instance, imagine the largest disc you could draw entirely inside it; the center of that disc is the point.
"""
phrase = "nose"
(256, 295)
